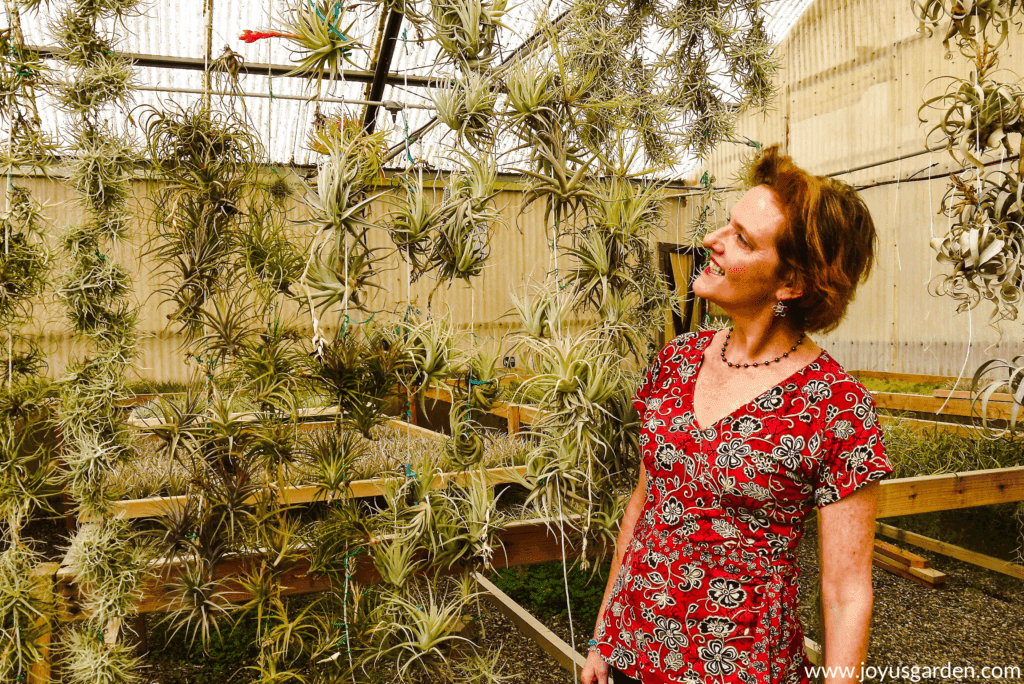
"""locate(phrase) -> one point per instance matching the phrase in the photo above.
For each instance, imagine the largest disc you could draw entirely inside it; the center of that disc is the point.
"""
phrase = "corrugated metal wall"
(854, 75)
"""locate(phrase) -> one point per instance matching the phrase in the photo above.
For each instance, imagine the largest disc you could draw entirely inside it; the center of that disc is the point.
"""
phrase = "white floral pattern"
(708, 587)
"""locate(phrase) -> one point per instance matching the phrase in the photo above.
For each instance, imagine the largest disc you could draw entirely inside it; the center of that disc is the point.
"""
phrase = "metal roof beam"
(381, 69)
(259, 69)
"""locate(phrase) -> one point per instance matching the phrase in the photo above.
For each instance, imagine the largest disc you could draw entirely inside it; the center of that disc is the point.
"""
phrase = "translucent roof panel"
(176, 29)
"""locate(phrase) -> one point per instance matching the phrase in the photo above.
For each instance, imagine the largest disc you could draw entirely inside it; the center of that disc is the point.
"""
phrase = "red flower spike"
(252, 36)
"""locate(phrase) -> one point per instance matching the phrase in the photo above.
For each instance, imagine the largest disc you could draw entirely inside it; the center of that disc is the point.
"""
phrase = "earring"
(779, 308)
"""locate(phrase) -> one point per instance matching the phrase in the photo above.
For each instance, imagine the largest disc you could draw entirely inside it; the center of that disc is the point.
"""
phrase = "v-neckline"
(700, 365)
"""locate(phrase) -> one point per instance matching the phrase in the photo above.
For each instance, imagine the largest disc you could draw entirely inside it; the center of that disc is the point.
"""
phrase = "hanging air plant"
(978, 114)
(24, 611)
(531, 97)
(109, 564)
(89, 660)
(467, 107)
(966, 21)
(322, 43)
(24, 259)
(482, 380)
(467, 445)
(986, 259)
(343, 276)
(467, 30)
(433, 356)
(412, 224)
(360, 371)
(542, 314)
(462, 243)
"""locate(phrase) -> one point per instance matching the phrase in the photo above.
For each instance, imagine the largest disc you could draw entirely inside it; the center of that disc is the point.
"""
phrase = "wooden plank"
(899, 555)
(564, 654)
(926, 404)
(926, 577)
(39, 671)
(966, 394)
(937, 546)
(303, 414)
(914, 378)
(359, 489)
(412, 430)
(519, 543)
(927, 493)
(930, 427)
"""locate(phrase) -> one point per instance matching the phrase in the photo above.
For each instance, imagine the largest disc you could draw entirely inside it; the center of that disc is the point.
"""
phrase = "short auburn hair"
(827, 240)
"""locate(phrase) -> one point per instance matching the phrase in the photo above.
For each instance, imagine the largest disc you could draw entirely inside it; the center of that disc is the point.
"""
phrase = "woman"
(745, 431)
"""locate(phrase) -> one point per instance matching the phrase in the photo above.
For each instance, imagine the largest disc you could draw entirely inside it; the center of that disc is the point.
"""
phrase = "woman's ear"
(792, 287)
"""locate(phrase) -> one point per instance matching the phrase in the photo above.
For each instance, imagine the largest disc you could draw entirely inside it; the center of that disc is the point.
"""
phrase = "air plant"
(467, 107)
(479, 668)
(197, 602)
(396, 560)
(24, 259)
(110, 566)
(24, 612)
(207, 159)
(269, 256)
(332, 455)
(342, 274)
(467, 445)
(462, 242)
(560, 181)
(322, 44)
(978, 114)
(982, 391)
(466, 30)
(433, 356)
(103, 80)
(413, 222)
(89, 660)
(482, 380)
(542, 314)
(479, 519)
(426, 625)
(361, 153)
(531, 97)
(267, 368)
(360, 369)
(966, 22)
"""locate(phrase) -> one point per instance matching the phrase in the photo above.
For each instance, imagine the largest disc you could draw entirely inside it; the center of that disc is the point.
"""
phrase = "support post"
(39, 672)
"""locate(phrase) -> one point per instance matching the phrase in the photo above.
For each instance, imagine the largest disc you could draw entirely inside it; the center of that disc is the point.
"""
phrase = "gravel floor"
(977, 619)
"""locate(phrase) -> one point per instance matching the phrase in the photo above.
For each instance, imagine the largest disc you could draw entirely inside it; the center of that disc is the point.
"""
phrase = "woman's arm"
(596, 670)
(846, 533)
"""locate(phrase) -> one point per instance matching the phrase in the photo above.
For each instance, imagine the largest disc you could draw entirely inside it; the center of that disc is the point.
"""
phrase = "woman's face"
(745, 250)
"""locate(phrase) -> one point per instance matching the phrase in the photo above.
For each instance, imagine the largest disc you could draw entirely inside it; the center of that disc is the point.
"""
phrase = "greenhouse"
(365, 343)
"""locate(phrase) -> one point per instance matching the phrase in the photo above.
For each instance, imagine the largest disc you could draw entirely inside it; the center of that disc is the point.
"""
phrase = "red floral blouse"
(708, 588)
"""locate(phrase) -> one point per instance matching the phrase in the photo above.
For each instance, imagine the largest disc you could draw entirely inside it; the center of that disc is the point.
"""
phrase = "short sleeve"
(853, 448)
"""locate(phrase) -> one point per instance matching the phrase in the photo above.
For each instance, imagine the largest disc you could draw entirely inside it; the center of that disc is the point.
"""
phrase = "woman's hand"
(595, 671)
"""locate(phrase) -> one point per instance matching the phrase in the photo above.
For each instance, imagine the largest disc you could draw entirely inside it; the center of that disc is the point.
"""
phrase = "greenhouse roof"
(169, 39)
